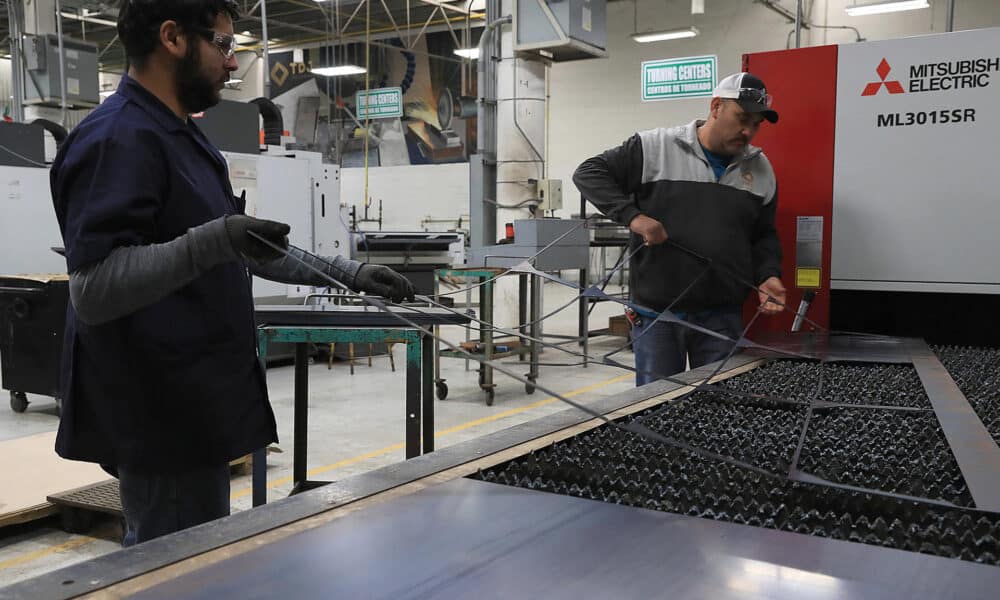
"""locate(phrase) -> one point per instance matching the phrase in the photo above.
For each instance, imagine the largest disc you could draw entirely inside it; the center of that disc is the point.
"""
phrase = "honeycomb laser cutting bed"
(872, 473)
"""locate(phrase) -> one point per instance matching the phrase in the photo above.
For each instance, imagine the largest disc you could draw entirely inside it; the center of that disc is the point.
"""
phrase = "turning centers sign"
(379, 104)
(690, 77)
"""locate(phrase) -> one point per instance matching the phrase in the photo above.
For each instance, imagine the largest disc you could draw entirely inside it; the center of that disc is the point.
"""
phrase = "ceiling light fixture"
(470, 53)
(877, 8)
(659, 36)
(339, 70)
(89, 19)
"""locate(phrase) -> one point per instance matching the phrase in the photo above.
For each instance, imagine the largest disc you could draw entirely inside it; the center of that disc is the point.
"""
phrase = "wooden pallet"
(40, 474)
(242, 465)
(32, 471)
(31, 513)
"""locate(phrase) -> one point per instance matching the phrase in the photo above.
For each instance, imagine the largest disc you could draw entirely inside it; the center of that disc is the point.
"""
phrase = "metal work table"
(329, 323)
(420, 529)
(130, 570)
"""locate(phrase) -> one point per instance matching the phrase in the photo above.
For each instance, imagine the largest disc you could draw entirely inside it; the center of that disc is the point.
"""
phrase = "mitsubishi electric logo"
(941, 76)
(894, 87)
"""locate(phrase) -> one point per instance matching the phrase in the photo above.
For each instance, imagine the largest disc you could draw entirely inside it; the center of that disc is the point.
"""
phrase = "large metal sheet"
(470, 539)
(128, 563)
(834, 347)
(978, 456)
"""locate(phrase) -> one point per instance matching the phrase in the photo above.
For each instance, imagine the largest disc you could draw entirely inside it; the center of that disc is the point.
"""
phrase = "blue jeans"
(662, 349)
(156, 504)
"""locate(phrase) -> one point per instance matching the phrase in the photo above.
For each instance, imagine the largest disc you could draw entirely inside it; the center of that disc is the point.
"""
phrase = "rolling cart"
(488, 348)
(32, 319)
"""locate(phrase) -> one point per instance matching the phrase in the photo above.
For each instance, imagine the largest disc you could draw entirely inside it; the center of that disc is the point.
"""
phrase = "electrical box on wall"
(561, 30)
(43, 80)
(549, 194)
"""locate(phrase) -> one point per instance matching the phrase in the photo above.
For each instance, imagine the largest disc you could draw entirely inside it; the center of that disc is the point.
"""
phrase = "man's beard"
(194, 90)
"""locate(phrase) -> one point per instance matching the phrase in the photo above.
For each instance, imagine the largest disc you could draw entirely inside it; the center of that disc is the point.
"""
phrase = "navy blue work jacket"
(177, 383)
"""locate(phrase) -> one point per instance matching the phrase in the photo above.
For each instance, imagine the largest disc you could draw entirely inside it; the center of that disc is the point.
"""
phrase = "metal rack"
(529, 310)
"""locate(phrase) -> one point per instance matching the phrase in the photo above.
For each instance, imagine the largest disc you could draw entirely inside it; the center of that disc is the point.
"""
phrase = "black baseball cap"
(749, 91)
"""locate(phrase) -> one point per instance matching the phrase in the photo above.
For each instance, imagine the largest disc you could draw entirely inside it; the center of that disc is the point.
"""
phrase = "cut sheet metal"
(978, 456)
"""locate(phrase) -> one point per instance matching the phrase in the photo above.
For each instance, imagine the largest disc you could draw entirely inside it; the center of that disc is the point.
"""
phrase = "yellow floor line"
(450, 430)
(25, 558)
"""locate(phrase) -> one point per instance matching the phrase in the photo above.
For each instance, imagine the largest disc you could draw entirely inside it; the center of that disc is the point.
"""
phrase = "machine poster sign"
(914, 202)
(382, 103)
(690, 77)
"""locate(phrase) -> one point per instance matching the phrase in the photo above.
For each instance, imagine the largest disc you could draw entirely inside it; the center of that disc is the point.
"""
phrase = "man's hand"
(651, 230)
(239, 227)
(772, 288)
(380, 280)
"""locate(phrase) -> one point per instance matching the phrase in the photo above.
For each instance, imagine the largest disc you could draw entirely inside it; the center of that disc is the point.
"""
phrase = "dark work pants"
(156, 504)
(663, 349)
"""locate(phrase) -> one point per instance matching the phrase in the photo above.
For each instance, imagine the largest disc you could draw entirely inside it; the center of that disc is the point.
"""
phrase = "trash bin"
(32, 318)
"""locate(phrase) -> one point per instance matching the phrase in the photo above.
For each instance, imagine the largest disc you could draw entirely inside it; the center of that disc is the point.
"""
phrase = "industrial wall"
(413, 198)
(596, 104)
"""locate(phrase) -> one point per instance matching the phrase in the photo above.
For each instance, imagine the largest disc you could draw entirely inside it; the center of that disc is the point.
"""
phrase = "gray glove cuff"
(290, 270)
(210, 245)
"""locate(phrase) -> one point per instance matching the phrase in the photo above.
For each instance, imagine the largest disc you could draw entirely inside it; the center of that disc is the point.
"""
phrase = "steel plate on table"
(471, 539)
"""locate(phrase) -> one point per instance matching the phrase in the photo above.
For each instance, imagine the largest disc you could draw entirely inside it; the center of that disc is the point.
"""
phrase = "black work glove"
(238, 227)
(380, 280)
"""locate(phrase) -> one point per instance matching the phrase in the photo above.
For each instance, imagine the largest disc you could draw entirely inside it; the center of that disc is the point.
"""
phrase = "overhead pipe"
(62, 63)
(58, 132)
(798, 24)
(274, 124)
(482, 86)
(15, 18)
(267, 58)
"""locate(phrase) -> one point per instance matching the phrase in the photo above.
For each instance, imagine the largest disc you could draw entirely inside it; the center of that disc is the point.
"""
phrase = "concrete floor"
(355, 425)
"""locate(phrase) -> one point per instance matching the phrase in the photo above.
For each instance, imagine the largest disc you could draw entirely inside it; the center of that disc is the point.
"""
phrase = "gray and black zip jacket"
(663, 173)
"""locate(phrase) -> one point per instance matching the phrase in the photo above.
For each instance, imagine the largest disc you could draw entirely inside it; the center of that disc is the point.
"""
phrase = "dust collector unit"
(43, 79)
(561, 30)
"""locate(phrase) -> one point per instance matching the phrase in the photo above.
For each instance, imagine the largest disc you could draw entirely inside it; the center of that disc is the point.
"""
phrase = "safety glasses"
(225, 42)
(756, 95)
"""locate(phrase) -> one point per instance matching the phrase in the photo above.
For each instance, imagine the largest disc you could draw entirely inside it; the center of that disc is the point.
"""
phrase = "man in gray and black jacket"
(705, 187)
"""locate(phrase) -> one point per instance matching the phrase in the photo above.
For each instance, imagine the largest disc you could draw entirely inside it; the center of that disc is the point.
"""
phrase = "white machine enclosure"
(28, 226)
(916, 205)
(296, 188)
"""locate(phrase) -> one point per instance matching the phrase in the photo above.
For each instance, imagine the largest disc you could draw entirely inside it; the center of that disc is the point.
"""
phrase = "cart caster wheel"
(442, 390)
(489, 397)
(529, 388)
(18, 402)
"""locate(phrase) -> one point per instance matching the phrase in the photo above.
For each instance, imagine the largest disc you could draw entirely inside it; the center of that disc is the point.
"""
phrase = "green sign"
(690, 77)
(382, 103)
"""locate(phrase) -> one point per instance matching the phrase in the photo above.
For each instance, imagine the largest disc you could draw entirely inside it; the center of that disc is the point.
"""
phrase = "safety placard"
(382, 103)
(808, 277)
(689, 77)
(808, 251)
